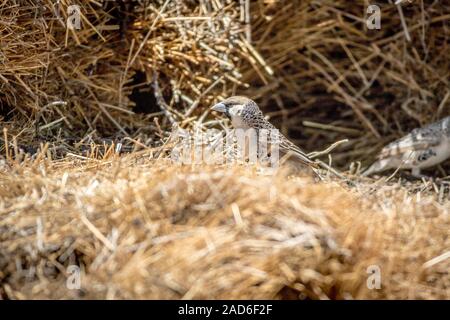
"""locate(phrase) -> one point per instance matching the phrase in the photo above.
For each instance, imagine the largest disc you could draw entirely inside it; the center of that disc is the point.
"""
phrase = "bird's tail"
(316, 164)
(290, 149)
(302, 157)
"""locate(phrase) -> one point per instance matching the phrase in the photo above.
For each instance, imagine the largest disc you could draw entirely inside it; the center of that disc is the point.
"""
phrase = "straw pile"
(58, 82)
(141, 227)
(62, 84)
(313, 66)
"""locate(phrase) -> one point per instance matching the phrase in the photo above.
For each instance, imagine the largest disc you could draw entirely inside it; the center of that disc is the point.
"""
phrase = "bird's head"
(233, 106)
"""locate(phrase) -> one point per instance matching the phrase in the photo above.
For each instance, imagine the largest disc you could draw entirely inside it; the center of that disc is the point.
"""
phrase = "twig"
(160, 99)
(402, 18)
(316, 154)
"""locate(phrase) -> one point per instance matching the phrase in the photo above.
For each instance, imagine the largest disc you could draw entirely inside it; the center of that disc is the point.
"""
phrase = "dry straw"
(62, 84)
(141, 227)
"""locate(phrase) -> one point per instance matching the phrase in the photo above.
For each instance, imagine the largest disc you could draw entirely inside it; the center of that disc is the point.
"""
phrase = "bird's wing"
(417, 140)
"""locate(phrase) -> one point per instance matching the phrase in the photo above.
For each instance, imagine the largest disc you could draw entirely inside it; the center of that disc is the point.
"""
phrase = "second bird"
(422, 148)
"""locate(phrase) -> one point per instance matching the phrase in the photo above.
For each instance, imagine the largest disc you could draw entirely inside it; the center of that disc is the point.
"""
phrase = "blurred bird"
(422, 148)
(245, 114)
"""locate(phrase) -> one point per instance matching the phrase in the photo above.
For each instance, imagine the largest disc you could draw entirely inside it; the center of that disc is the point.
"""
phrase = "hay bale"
(143, 228)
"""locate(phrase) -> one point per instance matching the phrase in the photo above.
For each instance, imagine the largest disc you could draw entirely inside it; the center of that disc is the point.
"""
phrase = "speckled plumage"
(422, 148)
(244, 113)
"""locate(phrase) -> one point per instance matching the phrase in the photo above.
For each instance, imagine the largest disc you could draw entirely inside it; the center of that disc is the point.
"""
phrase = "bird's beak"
(219, 107)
